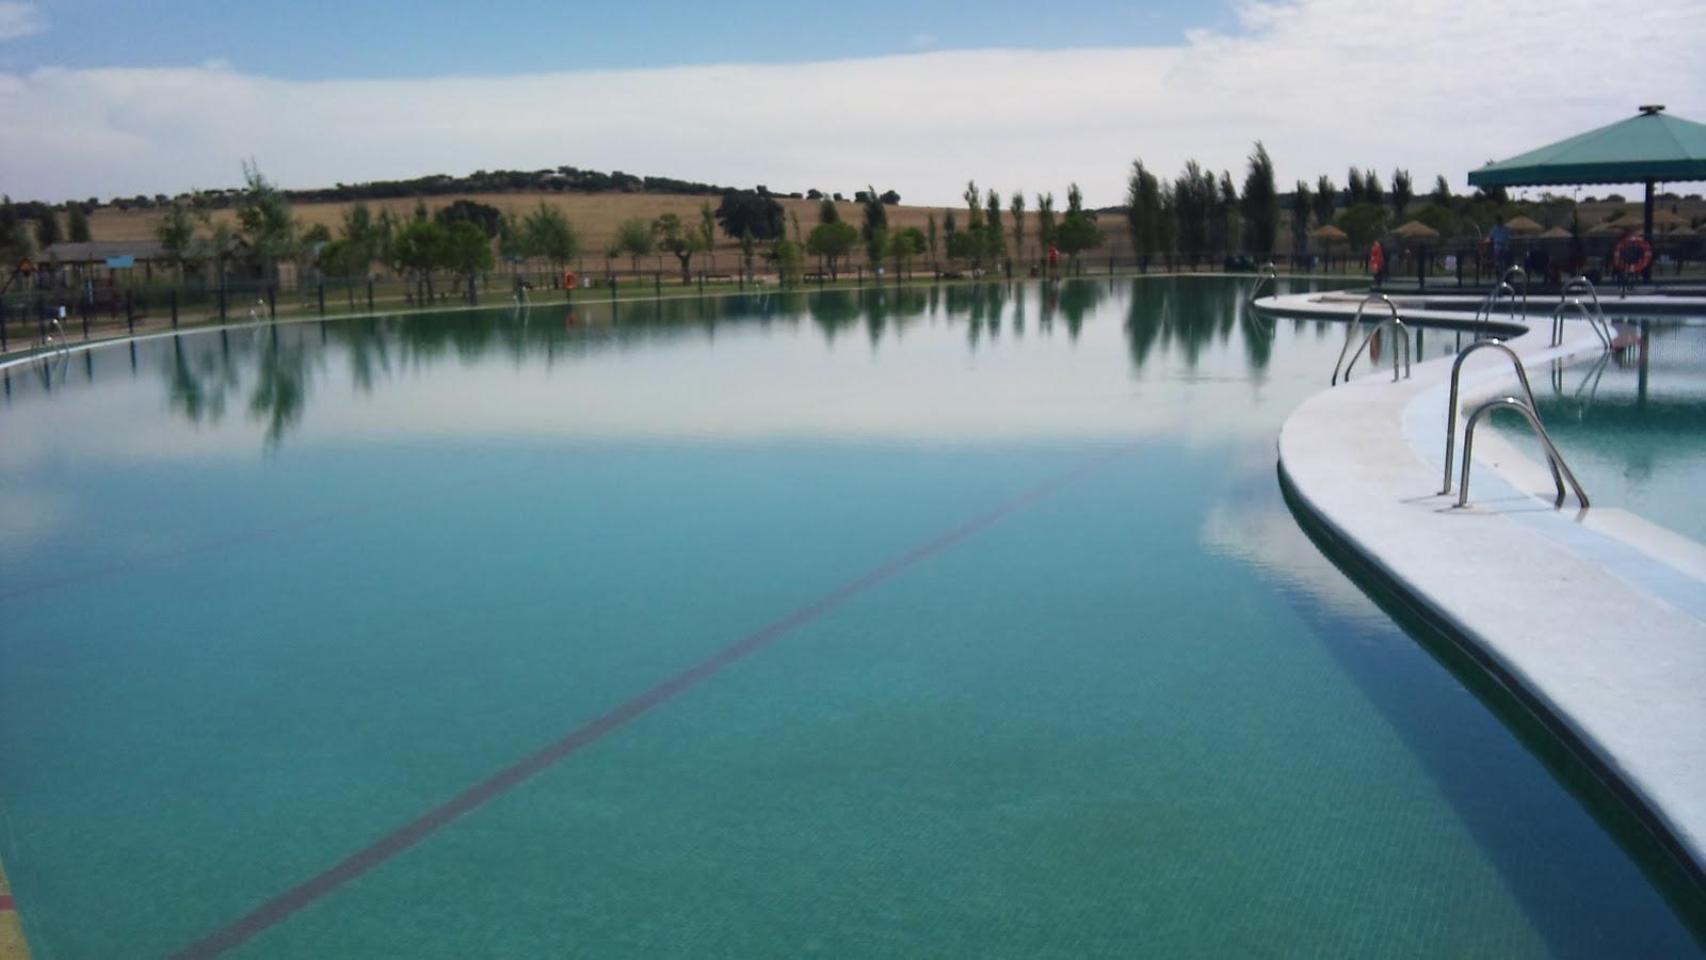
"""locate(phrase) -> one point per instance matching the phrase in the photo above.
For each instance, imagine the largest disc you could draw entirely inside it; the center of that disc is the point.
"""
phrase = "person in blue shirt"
(1501, 237)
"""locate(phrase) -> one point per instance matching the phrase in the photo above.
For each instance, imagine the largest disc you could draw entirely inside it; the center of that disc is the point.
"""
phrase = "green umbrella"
(1649, 147)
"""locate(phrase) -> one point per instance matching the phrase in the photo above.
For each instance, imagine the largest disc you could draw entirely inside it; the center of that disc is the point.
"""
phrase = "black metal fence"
(89, 308)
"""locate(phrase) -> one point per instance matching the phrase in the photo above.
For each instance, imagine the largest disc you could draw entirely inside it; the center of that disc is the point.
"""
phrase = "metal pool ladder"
(1401, 336)
(1267, 275)
(1595, 317)
(1525, 406)
(50, 335)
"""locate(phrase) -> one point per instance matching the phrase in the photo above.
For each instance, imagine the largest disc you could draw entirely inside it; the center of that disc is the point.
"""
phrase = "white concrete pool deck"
(1597, 617)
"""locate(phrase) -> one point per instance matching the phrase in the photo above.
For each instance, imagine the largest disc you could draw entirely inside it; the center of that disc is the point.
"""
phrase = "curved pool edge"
(1598, 628)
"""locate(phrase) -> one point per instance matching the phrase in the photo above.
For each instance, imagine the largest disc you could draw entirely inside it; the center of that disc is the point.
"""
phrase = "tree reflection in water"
(1181, 317)
(281, 384)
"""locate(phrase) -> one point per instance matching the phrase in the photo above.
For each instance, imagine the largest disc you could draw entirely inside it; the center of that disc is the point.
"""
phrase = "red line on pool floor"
(286, 904)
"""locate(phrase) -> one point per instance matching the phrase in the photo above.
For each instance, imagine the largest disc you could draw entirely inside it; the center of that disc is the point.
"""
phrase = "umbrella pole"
(1647, 227)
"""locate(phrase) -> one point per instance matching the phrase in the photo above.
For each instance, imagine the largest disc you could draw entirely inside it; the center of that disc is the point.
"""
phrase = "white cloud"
(1436, 86)
(19, 20)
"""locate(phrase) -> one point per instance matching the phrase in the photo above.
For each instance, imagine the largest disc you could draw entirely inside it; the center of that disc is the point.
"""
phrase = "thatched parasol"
(1416, 230)
(1522, 226)
(1556, 233)
(1329, 233)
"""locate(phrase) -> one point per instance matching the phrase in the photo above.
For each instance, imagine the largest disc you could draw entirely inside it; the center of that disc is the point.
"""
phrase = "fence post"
(221, 299)
(272, 303)
(369, 294)
(657, 285)
(173, 298)
(320, 294)
(3, 344)
(129, 312)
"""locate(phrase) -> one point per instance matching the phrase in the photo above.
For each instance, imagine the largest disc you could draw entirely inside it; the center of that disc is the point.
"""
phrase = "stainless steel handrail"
(1350, 331)
(50, 335)
(1484, 312)
(1594, 322)
(1581, 282)
(52, 362)
(1451, 401)
(1520, 274)
(1401, 339)
(1267, 273)
(1590, 382)
(1552, 453)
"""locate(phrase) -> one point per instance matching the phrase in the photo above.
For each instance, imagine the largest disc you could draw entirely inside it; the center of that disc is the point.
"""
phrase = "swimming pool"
(1634, 428)
(964, 621)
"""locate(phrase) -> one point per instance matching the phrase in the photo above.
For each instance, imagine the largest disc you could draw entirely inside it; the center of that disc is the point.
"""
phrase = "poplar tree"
(47, 229)
(1301, 205)
(875, 230)
(1326, 200)
(1260, 204)
(1045, 220)
(1143, 212)
(77, 221)
(995, 240)
(1016, 206)
(1402, 193)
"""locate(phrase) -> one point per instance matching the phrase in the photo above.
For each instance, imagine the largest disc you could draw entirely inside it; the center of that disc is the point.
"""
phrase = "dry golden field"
(594, 216)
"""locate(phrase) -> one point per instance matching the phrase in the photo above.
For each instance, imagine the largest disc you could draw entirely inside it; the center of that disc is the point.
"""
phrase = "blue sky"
(120, 98)
(324, 39)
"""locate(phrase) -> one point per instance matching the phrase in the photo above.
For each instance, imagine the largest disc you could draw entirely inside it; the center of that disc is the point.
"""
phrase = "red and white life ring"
(1633, 254)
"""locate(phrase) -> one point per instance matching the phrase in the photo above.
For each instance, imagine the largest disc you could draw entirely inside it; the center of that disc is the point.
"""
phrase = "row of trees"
(457, 239)
(981, 242)
(1194, 214)
(1369, 210)
(28, 227)
(1200, 213)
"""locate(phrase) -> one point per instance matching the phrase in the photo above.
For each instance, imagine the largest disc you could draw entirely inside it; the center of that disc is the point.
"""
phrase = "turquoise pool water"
(1634, 431)
(960, 623)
